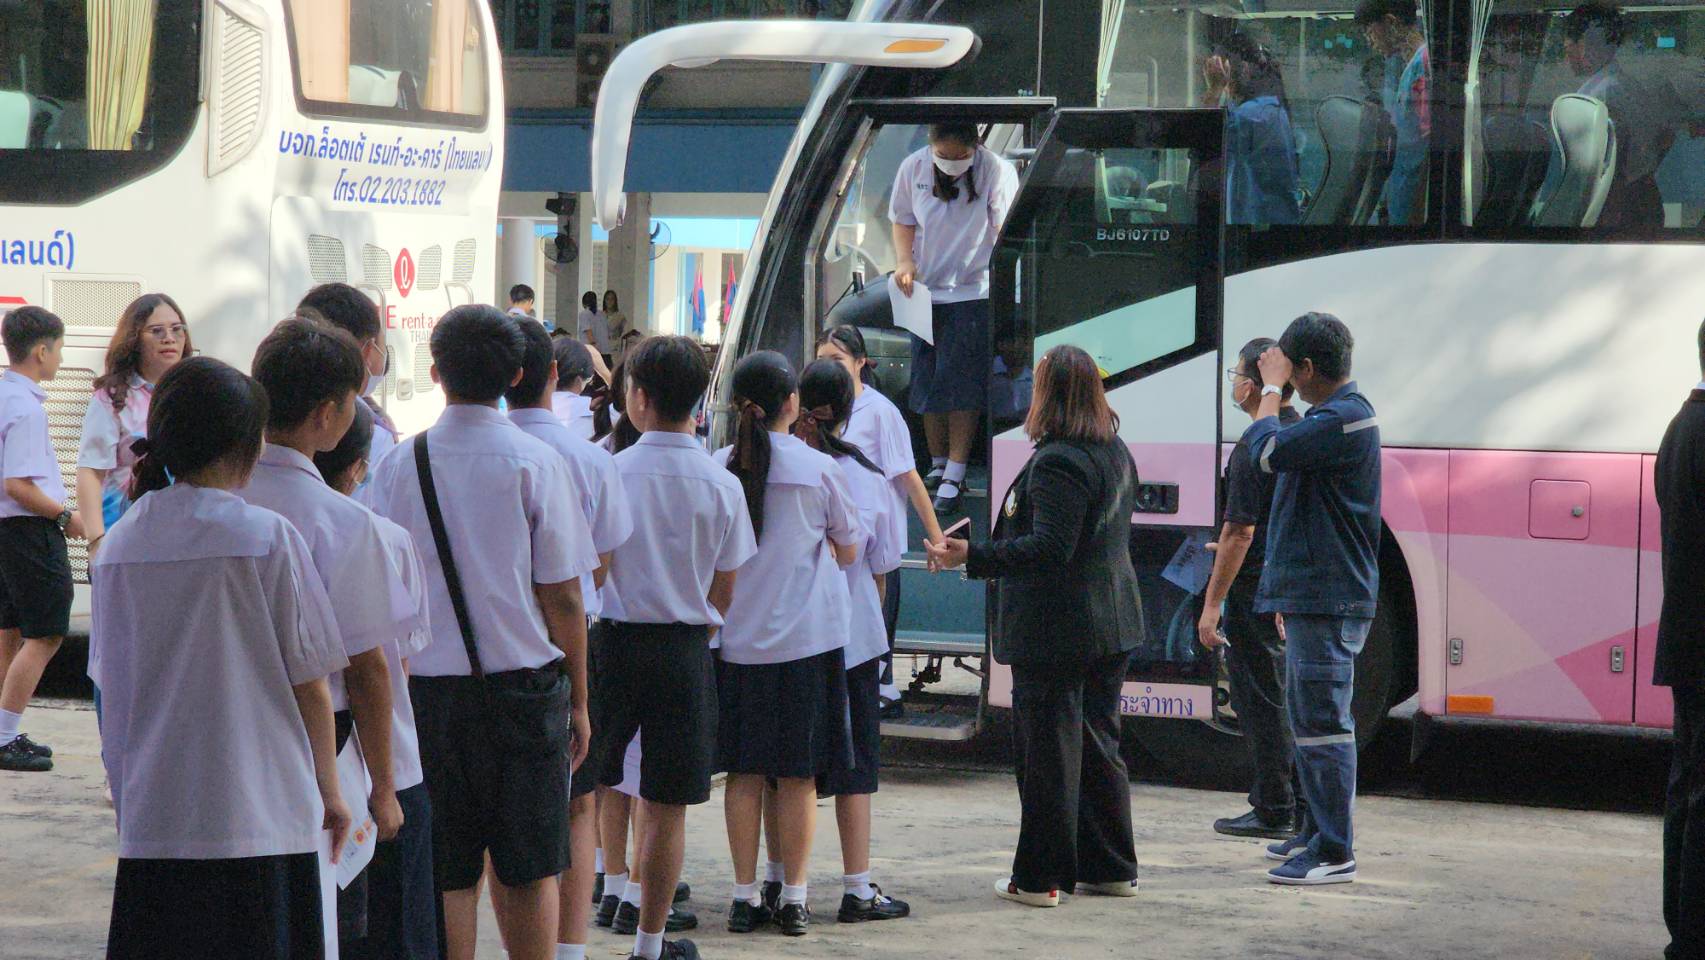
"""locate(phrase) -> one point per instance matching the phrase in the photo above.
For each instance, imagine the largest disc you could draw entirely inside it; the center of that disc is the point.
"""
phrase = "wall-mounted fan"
(660, 238)
(559, 249)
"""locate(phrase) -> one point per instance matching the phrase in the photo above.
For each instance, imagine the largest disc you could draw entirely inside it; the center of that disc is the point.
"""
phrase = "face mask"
(952, 168)
(373, 383)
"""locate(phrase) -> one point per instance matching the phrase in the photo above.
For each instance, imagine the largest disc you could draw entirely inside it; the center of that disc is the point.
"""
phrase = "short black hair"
(573, 361)
(1323, 339)
(589, 300)
(24, 327)
(673, 373)
(536, 360)
(520, 293)
(1597, 13)
(1373, 11)
(302, 364)
(347, 308)
(478, 351)
(356, 443)
(1248, 359)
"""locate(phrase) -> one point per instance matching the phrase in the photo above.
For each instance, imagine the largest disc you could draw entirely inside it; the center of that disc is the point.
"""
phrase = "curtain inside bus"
(121, 42)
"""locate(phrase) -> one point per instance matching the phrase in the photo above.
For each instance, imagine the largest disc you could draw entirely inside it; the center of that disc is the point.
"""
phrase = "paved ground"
(1441, 878)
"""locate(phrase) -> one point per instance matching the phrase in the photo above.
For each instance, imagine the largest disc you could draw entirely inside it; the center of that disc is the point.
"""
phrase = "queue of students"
(281, 596)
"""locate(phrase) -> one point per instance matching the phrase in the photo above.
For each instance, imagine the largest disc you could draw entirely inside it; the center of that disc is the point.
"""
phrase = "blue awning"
(724, 154)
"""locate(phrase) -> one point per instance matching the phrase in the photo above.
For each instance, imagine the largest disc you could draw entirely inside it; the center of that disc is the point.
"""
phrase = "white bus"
(1523, 326)
(233, 153)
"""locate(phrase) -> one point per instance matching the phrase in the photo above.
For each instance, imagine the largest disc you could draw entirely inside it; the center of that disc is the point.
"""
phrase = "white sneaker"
(1007, 890)
(1115, 888)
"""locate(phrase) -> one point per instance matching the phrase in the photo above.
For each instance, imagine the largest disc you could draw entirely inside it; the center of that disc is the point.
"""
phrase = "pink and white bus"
(1526, 332)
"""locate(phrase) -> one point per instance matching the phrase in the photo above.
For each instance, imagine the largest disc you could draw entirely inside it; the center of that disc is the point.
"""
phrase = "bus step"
(931, 722)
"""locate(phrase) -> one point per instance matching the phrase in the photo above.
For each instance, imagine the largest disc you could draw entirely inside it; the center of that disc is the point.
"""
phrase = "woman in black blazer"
(1067, 618)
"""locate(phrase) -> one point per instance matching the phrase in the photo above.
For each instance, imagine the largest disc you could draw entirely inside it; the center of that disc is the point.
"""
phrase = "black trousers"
(1684, 829)
(890, 620)
(1256, 663)
(1073, 790)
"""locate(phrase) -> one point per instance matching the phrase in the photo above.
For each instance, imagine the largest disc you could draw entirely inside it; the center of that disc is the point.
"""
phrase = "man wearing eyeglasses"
(1250, 641)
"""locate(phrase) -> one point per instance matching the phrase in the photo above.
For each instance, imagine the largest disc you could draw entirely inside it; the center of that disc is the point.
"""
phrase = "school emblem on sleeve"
(1011, 503)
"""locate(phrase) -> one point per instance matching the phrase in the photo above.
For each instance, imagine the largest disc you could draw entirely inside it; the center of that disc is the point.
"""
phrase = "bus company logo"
(403, 272)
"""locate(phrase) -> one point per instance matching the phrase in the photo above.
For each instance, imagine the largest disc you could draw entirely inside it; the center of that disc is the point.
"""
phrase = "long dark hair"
(964, 134)
(1071, 401)
(356, 442)
(849, 339)
(204, 411)
(762, 384)
(1255, 71)
(825, 403)
(124, 352)
(613, 400)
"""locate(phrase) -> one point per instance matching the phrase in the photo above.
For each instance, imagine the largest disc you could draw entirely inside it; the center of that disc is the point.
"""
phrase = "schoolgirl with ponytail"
(781, 682)
(198, 593)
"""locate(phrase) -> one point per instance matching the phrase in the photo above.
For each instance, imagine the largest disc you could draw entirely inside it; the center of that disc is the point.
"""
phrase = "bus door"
(1114, 244)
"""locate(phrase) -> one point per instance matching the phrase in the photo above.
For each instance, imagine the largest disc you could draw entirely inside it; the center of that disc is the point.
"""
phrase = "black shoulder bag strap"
(440, 537)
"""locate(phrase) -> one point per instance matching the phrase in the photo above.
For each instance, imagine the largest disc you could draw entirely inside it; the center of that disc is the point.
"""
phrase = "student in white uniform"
(402, 909)
(948, 204)
(826, 400)
(574, 372)
(500, 730)
(35, 519)
(312, 371)
(878, 428)
(341, 305)
(599, 491)
(593, 327)
(214, 638)
(669, 586)
(781, 680)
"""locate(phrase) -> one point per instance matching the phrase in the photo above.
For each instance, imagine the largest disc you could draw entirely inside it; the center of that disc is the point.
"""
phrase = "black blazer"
(1680, 482)
(1065, 591)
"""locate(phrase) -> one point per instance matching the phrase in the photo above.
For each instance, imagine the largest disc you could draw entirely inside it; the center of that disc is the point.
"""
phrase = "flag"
(728, 289)
(696, 305)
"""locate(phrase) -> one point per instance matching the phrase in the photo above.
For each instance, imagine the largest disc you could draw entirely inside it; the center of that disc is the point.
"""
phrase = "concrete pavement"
(1440, 879)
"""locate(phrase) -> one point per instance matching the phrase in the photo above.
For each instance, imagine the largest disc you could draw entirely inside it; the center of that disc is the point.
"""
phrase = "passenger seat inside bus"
(1510, 168)
(1583, 139)
(1358, 139)
(15, 114)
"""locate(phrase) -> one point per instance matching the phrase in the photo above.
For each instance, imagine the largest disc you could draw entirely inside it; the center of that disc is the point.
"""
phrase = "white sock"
(598, 860)
(748, 892)
(773, 872)
(571, 951)
(648, 945)
(858, 884)
(792, 894)
(888, 691)
(615, 884)
(955, 472)
(9, 726)
(937, 464)
(632, 893)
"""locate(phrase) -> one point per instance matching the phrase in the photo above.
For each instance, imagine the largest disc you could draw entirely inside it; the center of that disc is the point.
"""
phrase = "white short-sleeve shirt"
(207, 611)
(790, 598)
(575, 413)
(689, 523)
(108, 433)
(596, 483)
(878, 429)
(874, 496)
(593, 329)
(955, 237)
(409, 606)
(513, 521)
(26, 447)
(343, 538)
(385, 435)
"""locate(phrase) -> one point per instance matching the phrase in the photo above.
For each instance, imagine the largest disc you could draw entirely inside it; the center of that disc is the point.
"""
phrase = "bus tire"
(1214, 757)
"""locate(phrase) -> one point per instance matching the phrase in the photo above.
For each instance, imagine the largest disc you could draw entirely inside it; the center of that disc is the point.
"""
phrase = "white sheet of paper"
(912, 313)
(363, 836)
(1192, 564)
(328, 895)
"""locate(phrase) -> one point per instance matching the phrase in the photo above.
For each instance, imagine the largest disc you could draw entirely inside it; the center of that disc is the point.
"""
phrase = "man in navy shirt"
(1321, 575)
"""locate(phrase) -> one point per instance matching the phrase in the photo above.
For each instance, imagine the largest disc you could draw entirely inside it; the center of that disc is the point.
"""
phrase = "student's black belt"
(528, 688)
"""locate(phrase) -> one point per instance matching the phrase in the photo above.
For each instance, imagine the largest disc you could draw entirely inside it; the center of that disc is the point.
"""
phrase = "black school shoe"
(607, 909)
(598, 890)
(772, 895)
(1251, 825)
(683, 893)
(674, 950)
(744, 917)
(878, 907)
(18, 757)
(946, 506)
(794, 919)
(39, 749)
(626, 920)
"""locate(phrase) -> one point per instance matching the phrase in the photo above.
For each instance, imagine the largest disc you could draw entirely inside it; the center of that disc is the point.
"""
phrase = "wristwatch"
(1269, 388)
(63, 520)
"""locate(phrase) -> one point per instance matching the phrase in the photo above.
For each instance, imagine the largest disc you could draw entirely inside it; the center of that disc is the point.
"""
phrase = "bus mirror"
(919, 46)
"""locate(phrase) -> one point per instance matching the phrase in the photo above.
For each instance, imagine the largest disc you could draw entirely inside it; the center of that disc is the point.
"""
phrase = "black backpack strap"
(440, 537)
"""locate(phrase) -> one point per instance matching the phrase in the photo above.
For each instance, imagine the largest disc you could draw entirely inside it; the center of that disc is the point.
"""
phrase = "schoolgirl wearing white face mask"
(948, 204)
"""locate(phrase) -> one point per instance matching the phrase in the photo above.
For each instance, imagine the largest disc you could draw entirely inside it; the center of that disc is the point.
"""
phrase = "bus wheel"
(1214, 756)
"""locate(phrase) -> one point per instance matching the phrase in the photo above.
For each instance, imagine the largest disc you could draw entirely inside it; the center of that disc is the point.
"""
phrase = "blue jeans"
(1320, 671)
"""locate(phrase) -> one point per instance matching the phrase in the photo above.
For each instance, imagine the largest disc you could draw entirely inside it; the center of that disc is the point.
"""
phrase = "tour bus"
(234, 153)
(1524, 344)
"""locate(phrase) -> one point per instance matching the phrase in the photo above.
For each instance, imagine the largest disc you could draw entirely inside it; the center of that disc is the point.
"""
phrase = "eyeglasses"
(1232, 375)
(176, 331)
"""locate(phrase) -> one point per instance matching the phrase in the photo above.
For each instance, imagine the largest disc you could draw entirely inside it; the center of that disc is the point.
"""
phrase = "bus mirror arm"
(899, 45)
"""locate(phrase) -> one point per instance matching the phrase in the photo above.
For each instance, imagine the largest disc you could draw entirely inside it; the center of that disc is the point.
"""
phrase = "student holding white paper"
(948, 203)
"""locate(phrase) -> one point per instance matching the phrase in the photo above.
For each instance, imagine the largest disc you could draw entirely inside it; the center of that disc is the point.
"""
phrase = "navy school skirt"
(953, 374)
(784, 720)
(257, 908)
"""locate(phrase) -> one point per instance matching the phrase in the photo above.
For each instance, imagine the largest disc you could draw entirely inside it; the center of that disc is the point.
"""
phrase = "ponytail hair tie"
(751, 407)
(822, 414)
